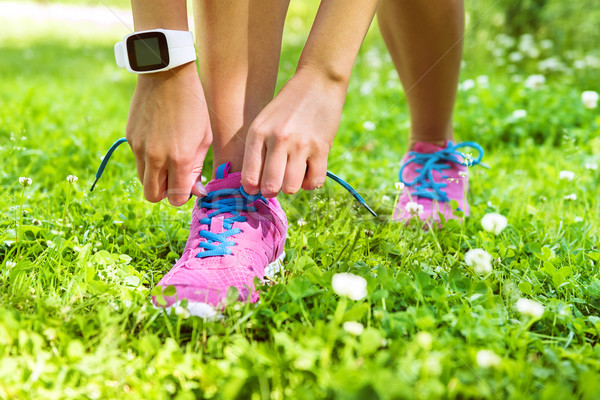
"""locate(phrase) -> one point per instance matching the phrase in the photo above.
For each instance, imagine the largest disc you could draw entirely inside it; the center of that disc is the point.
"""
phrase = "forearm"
(336, 36)
(155, 14)
(163, 14)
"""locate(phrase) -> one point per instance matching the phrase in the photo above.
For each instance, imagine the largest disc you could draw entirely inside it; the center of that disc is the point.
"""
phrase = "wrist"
(186, 72)
(324, 75)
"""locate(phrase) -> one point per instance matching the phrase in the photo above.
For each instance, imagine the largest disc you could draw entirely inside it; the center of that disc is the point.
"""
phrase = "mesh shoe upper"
(233, 238)
(433, 175)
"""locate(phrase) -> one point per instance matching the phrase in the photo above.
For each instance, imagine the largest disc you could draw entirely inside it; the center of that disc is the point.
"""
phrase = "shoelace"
(217, 244)
(437, 161)
(230, 201)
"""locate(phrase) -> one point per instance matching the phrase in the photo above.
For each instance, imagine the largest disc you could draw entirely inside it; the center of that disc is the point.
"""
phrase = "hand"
(289, 141)
(169, 132)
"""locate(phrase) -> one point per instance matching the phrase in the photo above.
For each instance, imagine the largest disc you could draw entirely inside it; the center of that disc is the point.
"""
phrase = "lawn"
(77, 268)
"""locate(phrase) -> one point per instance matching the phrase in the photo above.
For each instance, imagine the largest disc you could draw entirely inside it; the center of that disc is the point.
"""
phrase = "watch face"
(148, 51)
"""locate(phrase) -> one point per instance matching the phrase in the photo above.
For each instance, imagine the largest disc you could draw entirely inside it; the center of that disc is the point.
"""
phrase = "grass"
(78, 268)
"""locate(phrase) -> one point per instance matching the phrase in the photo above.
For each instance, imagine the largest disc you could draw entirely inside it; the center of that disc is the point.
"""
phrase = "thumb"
(198, 188)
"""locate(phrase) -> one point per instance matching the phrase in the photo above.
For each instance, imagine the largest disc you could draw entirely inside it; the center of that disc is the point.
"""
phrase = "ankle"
(439, 140)
(441, 143)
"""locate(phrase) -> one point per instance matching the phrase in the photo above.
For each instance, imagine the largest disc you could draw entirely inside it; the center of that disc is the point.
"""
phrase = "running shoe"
(433, 176)
(234, 238)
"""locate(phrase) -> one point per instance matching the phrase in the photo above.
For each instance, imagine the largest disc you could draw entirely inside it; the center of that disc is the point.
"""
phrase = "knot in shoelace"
(424, 184)
(231, 201)
(223, 201)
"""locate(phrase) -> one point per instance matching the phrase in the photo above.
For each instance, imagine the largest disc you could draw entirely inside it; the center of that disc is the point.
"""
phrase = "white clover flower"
(591, 166)
(566, 176)
(367, 87)
(352, 286)
(424, 339)
(463, 174)
(202, 310)
(467, 85)
(11, 264)
(50, 244)
(592, 61)
(72, 178)
(301, 222)
(515, 56)
(385, 198)
(483, 81)
(24, 181)
(546, 44)
(414, 208)
(505, 41)
(487, 359)
(518, 114)
(182, 312)
(480, 260)
(353, 327)
(468, 161)
(578, 219)
(551, 64)
(589, 98)
(535, 82)
(369, 125)
(530, 308)
(494, 223)
(570, 197)
(399, 186)
(203, 179)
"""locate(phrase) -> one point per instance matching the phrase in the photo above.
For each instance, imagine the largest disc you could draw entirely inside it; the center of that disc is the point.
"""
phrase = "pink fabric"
(260, 243)
(456, 189)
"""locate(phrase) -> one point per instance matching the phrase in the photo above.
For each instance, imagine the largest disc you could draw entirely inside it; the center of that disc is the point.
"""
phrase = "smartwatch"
(155, 50)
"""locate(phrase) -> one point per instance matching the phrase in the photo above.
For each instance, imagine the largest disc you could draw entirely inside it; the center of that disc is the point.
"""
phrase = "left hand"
(289, 141)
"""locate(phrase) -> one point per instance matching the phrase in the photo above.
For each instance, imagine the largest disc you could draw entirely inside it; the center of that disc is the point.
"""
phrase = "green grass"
(77, 268)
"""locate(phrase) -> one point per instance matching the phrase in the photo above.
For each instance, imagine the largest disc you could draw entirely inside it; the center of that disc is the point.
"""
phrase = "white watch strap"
(180, 45)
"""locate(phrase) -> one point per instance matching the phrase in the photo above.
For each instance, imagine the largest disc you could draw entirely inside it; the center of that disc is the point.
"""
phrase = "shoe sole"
(207, 311)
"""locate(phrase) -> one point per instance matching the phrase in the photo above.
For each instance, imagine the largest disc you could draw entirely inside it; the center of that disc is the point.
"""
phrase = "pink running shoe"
(234, 238)
(434, 175)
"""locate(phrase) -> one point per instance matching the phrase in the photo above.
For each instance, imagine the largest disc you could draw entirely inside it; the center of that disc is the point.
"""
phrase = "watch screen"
(148, 51)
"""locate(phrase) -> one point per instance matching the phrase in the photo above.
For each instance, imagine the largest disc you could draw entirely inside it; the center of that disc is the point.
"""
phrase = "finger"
(180, 183)
(295, 171)
(140, 169)
(139, 160)
(199, 190)
(273, 171)
(155, 183)
(315, 174)
(254, 155)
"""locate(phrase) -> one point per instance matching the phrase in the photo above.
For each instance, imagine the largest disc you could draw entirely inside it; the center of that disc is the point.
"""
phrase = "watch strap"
(180, 45)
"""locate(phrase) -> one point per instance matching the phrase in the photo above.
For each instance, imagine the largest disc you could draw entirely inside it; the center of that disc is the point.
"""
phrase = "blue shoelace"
(231, 201)
(424, 184)
(224, 201)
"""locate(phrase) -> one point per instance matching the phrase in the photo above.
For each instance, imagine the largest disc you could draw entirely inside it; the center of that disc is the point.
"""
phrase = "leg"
(239, 44)
(424, 39)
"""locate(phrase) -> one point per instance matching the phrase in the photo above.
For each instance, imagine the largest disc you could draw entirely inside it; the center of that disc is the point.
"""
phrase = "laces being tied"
(424, 183)
(223, 201)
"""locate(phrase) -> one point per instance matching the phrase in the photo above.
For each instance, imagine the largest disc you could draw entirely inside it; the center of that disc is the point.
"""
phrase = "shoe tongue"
(224, 179)
(426, 147)
(223, 171)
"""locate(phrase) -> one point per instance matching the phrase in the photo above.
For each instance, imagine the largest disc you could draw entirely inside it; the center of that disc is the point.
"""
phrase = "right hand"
(169, 132)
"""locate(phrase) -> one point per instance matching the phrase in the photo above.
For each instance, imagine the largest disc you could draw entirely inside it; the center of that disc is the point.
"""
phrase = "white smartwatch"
(155, 50)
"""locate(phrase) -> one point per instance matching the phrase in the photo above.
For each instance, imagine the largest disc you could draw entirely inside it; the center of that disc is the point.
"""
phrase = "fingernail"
(201, 189)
